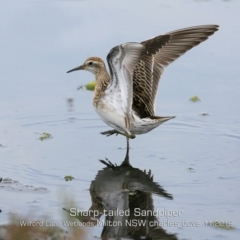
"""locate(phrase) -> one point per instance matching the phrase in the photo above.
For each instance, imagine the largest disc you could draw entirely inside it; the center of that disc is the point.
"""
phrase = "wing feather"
(159, 53)
(122, 60)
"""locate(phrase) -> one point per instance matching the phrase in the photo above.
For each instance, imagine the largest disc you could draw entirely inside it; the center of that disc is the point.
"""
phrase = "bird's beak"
(75, 69)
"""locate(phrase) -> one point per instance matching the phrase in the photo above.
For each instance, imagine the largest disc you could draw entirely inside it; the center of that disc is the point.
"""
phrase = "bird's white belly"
(112, 114)
(110, 111)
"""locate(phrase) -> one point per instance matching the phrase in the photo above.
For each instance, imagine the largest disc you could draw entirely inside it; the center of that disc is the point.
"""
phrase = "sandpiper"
(125, 98)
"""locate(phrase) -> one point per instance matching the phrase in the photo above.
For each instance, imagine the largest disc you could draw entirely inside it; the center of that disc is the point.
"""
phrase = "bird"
(125, 97)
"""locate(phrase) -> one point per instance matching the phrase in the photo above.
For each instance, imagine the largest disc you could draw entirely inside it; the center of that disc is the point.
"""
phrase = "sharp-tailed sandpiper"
(125, 98)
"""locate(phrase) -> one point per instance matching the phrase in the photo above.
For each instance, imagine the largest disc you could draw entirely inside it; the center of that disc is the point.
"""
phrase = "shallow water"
(194, 157)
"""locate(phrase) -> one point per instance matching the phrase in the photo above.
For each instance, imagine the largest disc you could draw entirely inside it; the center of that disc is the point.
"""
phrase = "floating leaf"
(68, 178)
(194, 99)
(90, 86)
(45, 135)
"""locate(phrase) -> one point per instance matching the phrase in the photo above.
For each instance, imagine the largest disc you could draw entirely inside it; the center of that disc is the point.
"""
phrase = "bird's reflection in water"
(123, 194)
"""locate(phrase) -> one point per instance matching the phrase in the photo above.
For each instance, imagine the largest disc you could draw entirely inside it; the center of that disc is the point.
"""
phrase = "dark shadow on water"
(123, 194)
(70, 104)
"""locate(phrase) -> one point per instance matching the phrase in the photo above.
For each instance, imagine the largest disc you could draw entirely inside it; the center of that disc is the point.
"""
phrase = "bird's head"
(92, 64)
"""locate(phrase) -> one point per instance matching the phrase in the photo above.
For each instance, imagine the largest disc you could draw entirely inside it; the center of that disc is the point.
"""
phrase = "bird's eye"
(90, 63)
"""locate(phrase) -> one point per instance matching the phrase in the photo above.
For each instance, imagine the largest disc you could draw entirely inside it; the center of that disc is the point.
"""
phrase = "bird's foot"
(108, 163)
(110, 132)
(132, 136)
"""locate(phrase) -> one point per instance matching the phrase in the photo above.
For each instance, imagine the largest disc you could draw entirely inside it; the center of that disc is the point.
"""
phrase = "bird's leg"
(126, 160)
(127, 157)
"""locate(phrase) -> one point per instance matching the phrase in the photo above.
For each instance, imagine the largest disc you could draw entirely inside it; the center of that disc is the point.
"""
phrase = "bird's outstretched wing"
(122, 60)
(159, 52)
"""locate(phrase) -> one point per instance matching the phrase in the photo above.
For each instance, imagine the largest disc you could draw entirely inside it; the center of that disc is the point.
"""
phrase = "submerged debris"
(226, 225)
(191, 169)
(204, 114)
(15, 185)
(70, 103)
(194, 99)
(45, 135)
(22, 227)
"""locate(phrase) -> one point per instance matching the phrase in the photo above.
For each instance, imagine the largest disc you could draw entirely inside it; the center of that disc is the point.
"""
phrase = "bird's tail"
(162, 119)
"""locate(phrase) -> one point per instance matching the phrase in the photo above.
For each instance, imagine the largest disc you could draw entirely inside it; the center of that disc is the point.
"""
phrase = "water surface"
(194, 157)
